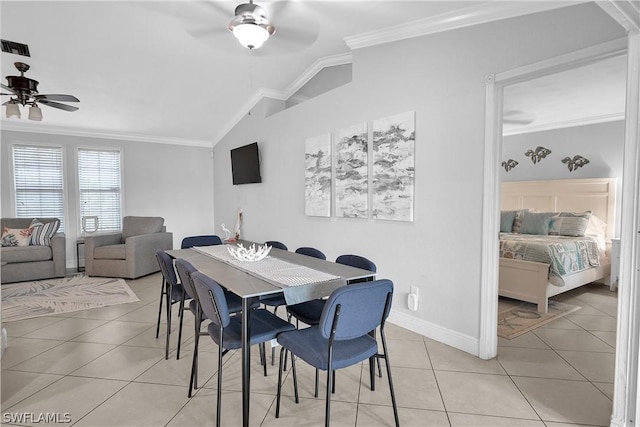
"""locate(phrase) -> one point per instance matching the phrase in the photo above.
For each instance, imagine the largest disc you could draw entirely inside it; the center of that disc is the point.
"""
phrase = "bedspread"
(563, 254)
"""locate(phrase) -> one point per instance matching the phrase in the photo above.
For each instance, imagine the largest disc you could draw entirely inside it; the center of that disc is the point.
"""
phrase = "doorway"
(627, 352)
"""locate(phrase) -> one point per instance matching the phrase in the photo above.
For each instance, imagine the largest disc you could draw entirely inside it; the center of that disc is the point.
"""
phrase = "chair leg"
(393, 394)
(193, 381)
(315, 394)
(372, 372)
(327, 411)
(219, 401)
(162, 293)
(181, 315)
(166, 347)
(279, 382)
(295, 378)
(263, 357)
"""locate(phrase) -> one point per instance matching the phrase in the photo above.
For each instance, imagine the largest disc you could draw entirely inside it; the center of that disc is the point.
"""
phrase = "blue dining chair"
(208, 240)
(172, 293)
(226, 330)
(185, 270)
(313, 252)
(309, 312)
(276, 244)
(342, 337)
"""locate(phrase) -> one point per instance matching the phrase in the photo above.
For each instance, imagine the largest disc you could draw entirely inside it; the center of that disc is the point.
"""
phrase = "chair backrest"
(185, 270)
(311, 252)
(208, 240)
(357, 261)
(212, 299)
(276, 244)
(363, 307)
(166, 266)
(139, 225)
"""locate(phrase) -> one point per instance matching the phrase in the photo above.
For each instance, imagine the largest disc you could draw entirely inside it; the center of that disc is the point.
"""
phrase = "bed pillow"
(43, 232)
(16, 236)
(572, 224)
(517, 220)
(536, 223)
(506, 221)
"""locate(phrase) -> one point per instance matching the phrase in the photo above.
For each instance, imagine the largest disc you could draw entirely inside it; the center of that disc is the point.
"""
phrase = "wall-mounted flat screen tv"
(245, 164)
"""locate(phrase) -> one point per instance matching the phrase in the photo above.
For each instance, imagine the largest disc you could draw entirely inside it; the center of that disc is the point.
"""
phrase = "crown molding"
(565, 124)
(625, 12)
(22, 126)
(477, 14)
(315, 68)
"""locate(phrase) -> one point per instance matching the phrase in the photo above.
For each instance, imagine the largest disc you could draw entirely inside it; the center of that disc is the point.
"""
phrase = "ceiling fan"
(252, 24)
(25, 91)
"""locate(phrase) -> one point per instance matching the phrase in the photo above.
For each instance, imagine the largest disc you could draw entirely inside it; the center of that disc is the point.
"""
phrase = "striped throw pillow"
(42, 233)
(570, 224)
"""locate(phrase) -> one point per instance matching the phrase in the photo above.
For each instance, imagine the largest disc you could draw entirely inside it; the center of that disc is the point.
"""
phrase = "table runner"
(299, 283)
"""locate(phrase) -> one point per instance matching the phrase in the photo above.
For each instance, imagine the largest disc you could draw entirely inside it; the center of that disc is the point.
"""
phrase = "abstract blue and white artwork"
(317, 176)
(351, 172)
(393, 167)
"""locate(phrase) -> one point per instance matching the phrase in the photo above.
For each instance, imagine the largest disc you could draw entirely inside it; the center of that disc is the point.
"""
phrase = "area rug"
(54, 296)
(517, 317)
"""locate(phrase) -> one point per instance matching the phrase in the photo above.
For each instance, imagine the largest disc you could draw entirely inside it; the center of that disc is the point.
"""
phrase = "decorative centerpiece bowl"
(250, 254)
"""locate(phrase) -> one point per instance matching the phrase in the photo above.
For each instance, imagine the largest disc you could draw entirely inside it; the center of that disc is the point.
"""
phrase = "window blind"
(39, 182)
(100, 187)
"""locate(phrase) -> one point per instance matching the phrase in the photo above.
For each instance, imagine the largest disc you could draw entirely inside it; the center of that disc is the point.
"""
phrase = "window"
(99, 184)
(38, 182)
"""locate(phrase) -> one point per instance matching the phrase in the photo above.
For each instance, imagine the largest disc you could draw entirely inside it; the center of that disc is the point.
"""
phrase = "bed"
(538, 279)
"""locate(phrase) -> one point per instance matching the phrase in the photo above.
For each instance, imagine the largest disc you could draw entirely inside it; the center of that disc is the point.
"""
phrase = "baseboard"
(446, 336)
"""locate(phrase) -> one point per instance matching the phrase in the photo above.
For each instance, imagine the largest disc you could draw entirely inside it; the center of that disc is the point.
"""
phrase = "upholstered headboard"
(597, 195)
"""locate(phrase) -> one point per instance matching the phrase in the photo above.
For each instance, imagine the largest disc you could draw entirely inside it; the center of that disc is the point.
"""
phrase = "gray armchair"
(130, 254)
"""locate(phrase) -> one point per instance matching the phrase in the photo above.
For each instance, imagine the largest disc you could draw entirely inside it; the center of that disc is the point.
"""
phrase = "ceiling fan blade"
(57, 97)
(57, 105)
(7, 88)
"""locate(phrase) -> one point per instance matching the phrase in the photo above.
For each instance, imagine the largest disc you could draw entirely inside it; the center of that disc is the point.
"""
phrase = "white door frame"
(627, 375)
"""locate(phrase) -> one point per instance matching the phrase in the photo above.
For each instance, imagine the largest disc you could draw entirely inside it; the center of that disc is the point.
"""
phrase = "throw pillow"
(570, 224)
(517, 221)
(42, 233)
(506, 221)
(16, 236)
(536, 223)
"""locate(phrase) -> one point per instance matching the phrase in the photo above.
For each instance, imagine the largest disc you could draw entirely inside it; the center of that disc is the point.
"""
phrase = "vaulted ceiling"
(170, 71)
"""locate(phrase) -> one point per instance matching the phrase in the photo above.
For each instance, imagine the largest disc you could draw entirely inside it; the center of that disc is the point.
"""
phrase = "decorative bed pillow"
(517, 220)
(16, 236)
(506, 221)
(536, 223)
(570, 224)
(42, 233)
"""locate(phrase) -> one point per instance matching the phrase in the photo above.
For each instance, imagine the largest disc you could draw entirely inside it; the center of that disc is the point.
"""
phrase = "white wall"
(171, 181)
(440, 77)
(601, 143)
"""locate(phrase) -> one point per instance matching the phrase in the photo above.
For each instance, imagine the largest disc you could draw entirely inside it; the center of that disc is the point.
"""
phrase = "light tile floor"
(104, 367)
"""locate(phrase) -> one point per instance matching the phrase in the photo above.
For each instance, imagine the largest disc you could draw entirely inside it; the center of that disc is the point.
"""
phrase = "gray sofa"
(23, 263)
(130, 254)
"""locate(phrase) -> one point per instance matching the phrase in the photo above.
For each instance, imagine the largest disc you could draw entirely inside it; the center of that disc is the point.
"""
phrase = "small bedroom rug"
(26, 300)
(517, 317)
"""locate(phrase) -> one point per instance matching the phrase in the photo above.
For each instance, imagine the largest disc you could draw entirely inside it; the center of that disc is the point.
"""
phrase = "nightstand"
(615, 262)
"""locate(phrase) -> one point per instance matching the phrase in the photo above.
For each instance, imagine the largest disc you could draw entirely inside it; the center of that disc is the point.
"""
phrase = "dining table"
(299, 277)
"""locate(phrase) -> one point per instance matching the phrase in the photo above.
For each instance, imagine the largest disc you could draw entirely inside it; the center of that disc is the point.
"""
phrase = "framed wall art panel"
(393, 172)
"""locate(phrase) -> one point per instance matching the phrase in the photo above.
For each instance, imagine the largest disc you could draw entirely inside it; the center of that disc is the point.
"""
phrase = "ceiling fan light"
(251, 36)
(13, 110)
(35, 113)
